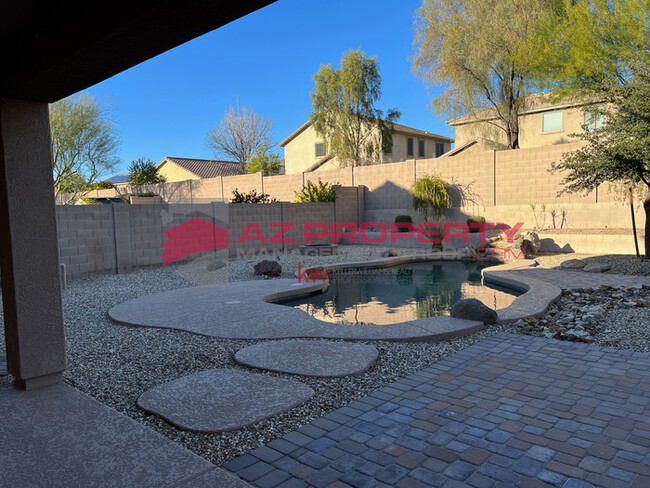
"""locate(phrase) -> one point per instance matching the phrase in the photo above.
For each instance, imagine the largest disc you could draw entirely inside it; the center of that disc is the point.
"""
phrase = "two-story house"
(305, 150)
(543, 122)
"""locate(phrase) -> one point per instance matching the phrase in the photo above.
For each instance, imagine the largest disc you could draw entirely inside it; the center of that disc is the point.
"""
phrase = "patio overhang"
(49, 50)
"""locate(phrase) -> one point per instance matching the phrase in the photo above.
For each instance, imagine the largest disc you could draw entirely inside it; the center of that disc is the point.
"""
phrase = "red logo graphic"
(190, 237)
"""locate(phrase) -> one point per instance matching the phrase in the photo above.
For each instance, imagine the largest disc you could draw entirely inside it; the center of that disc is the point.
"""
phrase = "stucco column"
(29, 251)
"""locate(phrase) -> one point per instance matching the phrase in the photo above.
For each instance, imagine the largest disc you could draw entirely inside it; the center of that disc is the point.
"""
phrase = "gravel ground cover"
(115, 364)
(626, 264)
(607, 316)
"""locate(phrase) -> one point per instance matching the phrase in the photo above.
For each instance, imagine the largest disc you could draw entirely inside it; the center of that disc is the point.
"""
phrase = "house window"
(440, 149)
(321, 149)
(409, 146)
(594, 120)
(421, 149)
(552, 121)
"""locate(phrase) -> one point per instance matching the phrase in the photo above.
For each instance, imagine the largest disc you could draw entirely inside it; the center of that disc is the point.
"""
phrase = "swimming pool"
(377, 296)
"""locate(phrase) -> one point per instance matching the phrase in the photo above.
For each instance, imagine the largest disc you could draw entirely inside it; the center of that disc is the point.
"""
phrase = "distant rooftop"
(399, 128)
(206, 168)
(121, 178)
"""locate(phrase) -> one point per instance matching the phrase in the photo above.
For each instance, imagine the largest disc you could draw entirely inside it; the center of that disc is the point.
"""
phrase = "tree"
(599, 50)
(431, 196)
(84, 143)
(344, 114)
(591, 46)
(240, 134)
(143, 171)
(619, 151)
(264, 161)
(473, 50)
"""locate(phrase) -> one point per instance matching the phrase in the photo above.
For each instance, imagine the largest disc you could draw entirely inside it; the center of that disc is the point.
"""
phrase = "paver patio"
(581, 279)
(509, 411)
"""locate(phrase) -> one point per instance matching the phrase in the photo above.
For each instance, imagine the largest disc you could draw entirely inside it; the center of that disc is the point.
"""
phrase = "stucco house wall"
(172, 173)
(531, 133)
(300, 151)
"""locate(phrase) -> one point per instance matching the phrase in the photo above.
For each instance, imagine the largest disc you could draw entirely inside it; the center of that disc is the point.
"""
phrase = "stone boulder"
(391, 253)
(473, 309)
(596, 268)
(268, 268)
(529, 243)
(573, 264)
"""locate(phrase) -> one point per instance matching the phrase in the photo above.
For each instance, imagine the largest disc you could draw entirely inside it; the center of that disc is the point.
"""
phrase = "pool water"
(408, 292)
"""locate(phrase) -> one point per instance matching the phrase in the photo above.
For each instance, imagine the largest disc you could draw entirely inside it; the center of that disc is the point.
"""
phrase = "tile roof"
(206, 168)
(399, 128)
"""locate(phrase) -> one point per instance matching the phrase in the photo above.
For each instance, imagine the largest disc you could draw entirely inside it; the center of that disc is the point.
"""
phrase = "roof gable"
(398, 129)
(205, 168)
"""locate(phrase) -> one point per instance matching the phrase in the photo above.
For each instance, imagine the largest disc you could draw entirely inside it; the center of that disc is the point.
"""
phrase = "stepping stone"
(573, 264)
(219, 400)
(596, 268)
(309, 358)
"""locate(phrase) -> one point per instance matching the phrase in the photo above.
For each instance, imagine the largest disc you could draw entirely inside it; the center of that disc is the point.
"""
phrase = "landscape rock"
(573, 264)
(596, 268)
(529, 243)
(219, 400)
(473, 309)
(268, 268)
(309, 358)
(391, 253)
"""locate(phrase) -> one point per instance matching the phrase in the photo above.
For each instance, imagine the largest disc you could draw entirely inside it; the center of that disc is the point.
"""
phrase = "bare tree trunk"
(646, 238)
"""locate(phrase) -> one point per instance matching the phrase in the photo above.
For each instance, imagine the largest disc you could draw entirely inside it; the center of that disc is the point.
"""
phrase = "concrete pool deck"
(246, 310)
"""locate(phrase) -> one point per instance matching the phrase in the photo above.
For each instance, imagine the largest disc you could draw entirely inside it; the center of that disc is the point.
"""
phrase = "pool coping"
(259, 316)
(536, 295)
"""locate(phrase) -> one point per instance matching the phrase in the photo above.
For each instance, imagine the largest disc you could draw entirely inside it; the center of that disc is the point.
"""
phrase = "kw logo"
(312, 276)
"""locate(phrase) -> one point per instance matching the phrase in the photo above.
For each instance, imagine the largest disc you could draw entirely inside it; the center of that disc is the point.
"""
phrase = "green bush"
(476, 218)
(320, 192)
(403, 219)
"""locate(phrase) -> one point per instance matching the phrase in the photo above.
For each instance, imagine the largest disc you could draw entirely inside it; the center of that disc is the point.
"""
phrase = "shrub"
(403, 219)
(102, 185)
(431, 196)
(144, 172)
(251, 197)
(475, 218)
(320, 192)
(264, 161)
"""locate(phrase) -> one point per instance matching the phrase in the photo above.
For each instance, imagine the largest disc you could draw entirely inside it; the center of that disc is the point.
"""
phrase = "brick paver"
(511, 410)
(580, 279)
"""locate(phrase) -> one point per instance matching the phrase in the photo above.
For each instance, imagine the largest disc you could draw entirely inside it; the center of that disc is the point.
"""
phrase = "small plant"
(533, 207)
(316, 192)
(251, 197)
(431, 196)
(404, 219)
(475, 219)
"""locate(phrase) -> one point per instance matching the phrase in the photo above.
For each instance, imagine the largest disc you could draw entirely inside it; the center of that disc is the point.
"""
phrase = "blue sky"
(165, 106)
